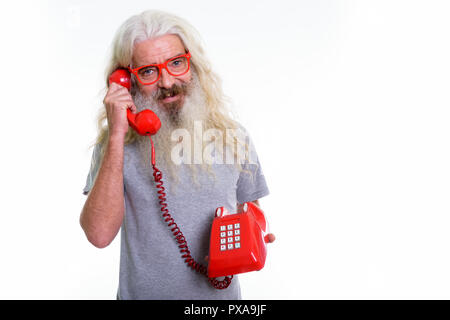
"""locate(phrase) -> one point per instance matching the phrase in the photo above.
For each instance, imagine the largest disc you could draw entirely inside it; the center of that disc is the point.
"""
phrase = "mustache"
(162, 93)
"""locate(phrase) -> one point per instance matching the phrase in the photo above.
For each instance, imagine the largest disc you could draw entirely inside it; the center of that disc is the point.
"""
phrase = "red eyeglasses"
(151, 73)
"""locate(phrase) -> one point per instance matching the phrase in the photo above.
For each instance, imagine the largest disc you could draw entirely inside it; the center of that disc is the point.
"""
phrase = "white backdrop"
(348, 105)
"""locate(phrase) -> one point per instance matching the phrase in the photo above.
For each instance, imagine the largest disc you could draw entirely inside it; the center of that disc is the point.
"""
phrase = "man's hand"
(270, 237)
(117, 101)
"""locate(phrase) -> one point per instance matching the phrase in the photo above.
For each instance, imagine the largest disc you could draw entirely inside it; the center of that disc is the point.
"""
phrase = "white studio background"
(348, 105)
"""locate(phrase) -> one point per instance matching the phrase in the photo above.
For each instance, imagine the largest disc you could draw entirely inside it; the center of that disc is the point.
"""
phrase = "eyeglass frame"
(161, 66)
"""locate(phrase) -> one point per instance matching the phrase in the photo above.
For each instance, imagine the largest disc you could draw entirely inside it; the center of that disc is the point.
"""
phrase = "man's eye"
(176, 62)
(147, 71)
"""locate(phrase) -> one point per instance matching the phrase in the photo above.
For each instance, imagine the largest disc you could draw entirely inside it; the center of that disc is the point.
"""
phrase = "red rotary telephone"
(243, 251)
(238, 241)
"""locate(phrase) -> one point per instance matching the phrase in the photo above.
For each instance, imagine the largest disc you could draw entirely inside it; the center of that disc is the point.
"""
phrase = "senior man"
(172, 76)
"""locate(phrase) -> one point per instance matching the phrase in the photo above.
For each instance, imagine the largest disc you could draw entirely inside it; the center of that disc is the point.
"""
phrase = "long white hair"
(152, 24)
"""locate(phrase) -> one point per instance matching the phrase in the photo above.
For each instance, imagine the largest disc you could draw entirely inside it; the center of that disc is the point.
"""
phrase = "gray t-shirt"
(151, 266)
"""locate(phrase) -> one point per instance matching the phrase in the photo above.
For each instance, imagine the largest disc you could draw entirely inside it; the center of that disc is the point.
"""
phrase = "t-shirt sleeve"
(251, 184)
(95, 165)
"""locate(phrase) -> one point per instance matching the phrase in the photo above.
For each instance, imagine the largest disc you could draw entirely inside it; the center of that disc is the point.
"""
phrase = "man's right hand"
(117, 100)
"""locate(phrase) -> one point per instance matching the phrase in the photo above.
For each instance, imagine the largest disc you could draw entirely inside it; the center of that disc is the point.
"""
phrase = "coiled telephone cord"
(179, 237)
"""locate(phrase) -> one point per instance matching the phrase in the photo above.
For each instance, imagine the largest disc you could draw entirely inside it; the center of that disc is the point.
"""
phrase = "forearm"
(103, 210)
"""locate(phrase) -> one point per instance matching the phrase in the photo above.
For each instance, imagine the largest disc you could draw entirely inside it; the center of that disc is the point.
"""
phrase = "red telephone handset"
(146, 122)
(238, 241)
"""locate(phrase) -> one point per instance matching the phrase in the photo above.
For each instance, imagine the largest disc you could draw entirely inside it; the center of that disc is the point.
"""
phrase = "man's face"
(169, 91)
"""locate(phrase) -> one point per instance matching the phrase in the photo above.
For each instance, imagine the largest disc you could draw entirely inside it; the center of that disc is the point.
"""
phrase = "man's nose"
(166, 80)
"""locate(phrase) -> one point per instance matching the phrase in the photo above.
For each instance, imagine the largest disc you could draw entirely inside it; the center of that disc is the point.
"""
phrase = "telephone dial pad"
(230, 236)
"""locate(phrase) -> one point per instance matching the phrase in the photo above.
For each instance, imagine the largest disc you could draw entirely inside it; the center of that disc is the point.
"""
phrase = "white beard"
(194, 108)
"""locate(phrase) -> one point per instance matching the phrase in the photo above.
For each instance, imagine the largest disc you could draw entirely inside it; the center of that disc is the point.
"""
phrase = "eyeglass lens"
(176, 67)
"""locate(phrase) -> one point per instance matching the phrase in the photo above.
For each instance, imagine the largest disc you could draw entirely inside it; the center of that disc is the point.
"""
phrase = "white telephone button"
(230, 227)
(230, 239)
(223, 247)
(237, 225)
(236, 232)
(223, 228)
(230, 233)
(237, 238)
(237, 245)
(223, 234)
(223, 241)
(230, 246)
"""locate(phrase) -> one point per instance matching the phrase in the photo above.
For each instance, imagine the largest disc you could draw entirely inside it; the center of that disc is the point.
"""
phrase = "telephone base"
(238, 242)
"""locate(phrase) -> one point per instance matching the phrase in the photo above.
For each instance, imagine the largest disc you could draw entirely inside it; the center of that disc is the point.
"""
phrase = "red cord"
(179, 237)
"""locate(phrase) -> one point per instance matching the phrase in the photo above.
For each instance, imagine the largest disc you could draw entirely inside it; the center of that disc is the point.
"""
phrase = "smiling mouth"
(173, 94)
(170, 97)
